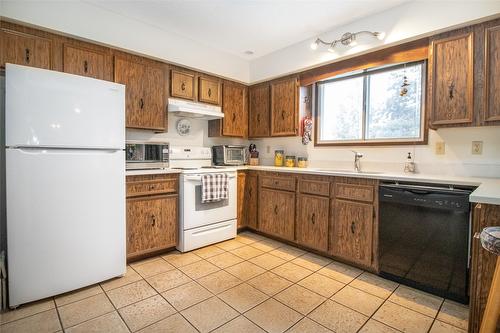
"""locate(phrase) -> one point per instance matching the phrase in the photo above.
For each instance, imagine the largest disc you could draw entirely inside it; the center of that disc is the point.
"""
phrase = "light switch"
(268, 149)
(477, 147)
(440, 148)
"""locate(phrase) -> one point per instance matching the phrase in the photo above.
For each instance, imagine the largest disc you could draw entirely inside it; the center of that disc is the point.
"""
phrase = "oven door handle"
(198, 178)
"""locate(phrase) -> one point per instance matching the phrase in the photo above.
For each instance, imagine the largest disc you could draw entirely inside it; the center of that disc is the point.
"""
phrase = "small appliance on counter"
(146, 155)
(229, 155)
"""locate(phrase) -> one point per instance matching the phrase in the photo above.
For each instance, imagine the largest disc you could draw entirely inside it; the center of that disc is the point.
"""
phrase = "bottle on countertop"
(409, 164)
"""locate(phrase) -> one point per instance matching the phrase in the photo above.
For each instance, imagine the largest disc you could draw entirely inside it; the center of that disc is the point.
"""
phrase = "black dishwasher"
(424, 237)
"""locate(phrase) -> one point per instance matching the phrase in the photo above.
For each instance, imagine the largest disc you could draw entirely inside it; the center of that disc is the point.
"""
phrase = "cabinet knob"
(283, 114)
(234, 117)
(250, 192)
(153, 220)
(258, 118)
(27, 55)
(313, 218)
(141, 103)
(276, 210)
(151, 187)
(85, 66)
(209, 92)
(353, 227)
(183, 86)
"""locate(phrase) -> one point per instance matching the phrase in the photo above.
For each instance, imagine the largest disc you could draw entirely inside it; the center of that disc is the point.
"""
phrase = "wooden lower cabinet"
(352, 231)
(312, 221)
(482, 265)
(251, 198)
(277, 213)
(151, 224)
(240, 201)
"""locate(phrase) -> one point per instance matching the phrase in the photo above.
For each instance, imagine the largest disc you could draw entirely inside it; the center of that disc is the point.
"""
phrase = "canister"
(278, 157)
(290, 161)
(302, 162)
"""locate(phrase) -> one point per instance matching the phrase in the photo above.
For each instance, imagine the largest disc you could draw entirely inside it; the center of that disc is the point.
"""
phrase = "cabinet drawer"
(279, 183)
(354, 192)
(151, 184)
(316, 187)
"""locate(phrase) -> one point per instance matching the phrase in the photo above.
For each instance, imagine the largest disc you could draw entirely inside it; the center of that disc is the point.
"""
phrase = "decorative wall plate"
(183, 127)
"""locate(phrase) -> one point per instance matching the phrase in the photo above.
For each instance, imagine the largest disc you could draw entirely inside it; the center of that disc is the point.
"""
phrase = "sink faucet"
(357, 157)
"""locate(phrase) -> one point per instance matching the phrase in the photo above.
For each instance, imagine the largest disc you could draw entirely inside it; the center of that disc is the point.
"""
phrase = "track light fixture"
(347, 39)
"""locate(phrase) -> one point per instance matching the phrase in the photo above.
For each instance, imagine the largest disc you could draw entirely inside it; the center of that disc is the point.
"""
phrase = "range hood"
(181, 108)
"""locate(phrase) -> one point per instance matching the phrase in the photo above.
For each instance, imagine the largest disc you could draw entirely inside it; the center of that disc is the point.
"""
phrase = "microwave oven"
(229, 155)
(146, 155)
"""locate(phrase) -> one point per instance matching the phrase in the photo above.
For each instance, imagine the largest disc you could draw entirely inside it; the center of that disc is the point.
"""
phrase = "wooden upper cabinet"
(83, 61)
(492, 73)
(352, 231)
(209, 90)
(145, 97)
(451, 79)
(258, 112)
(155, 98)
(284, 107)
(25, 49)
(182, 85)
(312, 221)
(234, 106)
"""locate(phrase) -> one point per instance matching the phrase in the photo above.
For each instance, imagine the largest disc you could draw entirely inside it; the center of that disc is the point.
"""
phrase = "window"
(369, 107)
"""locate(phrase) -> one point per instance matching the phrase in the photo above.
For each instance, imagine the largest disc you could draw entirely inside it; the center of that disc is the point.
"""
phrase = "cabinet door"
(131, 74)
(258, 117)
(209, 90)
(312, 221)
(284, 108)
(241, 214)
(182, 85)
(155, 99)
(234, 106)
(492, 73)
(151, 224)
(352, 236)
(81, 61)
(251, 200)
(277, 213)
(25, 49)
(451, 86)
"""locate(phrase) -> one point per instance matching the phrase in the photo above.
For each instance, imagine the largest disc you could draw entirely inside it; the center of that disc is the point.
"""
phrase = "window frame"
(424, 128)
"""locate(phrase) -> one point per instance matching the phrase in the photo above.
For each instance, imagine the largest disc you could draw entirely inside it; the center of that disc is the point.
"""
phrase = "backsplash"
(457, 159)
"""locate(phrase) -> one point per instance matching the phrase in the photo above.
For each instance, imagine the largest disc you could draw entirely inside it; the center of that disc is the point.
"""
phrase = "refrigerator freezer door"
(65, 220)
(52, 109)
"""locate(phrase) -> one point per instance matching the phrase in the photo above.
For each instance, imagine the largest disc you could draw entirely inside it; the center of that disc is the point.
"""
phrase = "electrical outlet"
(440, 148)
(477, 147)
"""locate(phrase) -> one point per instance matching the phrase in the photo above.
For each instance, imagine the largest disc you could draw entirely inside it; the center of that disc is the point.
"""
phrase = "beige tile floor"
(250, 284)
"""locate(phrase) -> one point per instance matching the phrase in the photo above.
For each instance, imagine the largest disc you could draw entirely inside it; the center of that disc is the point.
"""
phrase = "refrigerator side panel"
(52, 109)
(65, 220)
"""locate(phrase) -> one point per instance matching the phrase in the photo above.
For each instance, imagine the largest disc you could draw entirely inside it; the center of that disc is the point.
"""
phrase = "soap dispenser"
(409, 164)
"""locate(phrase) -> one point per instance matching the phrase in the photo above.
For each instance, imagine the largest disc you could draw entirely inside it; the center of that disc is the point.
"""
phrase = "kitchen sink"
(352, 171)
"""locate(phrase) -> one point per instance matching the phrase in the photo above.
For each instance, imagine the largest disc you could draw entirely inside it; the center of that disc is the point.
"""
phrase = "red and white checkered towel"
(214, 187)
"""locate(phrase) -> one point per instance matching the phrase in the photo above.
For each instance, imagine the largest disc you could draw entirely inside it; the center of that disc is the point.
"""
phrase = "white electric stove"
(202, 224)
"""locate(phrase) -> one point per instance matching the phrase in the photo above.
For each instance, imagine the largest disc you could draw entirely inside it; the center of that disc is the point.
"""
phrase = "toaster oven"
(146, 155)
(229, 155)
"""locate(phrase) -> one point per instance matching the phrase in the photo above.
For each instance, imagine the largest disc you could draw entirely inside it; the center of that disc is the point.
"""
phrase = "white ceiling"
(235, 26)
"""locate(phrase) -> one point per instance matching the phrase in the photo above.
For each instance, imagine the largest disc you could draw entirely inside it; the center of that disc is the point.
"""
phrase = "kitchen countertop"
(487, 191)
(150, 172)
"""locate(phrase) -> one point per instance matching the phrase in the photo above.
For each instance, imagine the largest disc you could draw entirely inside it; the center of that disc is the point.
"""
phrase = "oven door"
(196, 214)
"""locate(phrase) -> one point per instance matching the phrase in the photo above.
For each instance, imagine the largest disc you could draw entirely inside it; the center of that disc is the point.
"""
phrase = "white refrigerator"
(65, 182)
